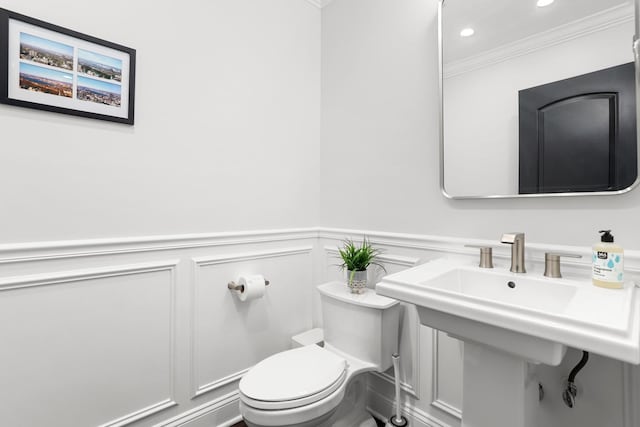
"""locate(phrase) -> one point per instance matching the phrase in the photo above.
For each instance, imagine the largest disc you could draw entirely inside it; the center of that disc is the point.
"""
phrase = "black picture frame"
(36, 71)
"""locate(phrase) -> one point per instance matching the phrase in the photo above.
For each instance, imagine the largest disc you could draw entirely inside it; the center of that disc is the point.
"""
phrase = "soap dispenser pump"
(608, 262)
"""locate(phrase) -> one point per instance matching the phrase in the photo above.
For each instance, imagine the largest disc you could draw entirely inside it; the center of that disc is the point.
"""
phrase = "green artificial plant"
(358, 258)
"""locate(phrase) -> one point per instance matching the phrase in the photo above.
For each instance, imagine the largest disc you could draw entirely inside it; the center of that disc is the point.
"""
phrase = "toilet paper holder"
(233, 286)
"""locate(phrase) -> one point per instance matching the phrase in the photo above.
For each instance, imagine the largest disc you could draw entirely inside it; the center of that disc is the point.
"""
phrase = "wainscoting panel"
(88, 347)
(440, 358)
(221, 412)
(229, 336)
(447, 374)
(143, 332)
(126, 332)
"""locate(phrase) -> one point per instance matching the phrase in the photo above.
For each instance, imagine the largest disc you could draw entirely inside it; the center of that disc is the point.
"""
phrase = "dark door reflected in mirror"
(579, 134)
(537, 100)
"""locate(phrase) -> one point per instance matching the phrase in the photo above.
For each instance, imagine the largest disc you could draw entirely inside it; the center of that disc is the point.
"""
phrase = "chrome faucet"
(516, 240)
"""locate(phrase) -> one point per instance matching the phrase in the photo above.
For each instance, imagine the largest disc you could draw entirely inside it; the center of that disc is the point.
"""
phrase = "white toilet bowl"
(299, 387)
(306, 386)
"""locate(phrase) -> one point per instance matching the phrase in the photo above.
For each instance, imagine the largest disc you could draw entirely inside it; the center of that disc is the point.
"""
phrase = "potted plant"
(356, 260)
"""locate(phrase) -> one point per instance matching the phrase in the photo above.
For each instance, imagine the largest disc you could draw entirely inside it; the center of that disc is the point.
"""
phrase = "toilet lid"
(294, 375)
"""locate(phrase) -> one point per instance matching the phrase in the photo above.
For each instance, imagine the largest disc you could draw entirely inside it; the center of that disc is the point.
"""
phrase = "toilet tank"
(365, 326)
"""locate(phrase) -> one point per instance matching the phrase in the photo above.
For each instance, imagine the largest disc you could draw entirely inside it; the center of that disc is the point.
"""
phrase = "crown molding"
(319, 3)
(600, 21)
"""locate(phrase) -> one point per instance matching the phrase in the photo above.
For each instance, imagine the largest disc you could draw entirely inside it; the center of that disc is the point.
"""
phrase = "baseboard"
(381, 407)
(221, 412)
(231, 422)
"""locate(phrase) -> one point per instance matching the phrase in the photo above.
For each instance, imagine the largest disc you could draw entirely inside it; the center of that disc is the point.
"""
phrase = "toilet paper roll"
(254, 287)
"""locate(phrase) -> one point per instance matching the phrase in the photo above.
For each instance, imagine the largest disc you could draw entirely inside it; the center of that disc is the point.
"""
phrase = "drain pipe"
(570, 393)
(397, 420)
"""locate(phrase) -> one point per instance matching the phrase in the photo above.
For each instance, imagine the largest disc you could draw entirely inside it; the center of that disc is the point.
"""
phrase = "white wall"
(105, 326)
(380, 133)
(380, 129)
(79, 311)
(226, 134)
(481, 120)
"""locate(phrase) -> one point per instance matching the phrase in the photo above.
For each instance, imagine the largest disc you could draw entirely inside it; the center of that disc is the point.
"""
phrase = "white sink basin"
(505, 288)
(529, 316)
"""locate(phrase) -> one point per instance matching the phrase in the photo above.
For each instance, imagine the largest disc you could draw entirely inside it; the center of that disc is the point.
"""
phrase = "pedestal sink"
(509, 321)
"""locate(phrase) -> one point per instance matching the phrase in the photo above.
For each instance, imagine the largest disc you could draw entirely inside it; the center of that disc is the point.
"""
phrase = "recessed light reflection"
(467, 32)
(543, 3)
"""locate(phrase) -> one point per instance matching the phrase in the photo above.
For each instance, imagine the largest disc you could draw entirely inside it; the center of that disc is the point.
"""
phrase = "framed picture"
(51, 68)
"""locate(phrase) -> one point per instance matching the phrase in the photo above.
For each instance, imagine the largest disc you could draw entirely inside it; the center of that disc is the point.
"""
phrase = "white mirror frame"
(636, 55)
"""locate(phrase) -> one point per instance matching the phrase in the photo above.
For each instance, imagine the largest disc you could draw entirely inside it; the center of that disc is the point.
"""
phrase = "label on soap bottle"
(608, 266)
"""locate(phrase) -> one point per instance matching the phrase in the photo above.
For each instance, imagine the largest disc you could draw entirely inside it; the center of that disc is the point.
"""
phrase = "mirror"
(540, 100)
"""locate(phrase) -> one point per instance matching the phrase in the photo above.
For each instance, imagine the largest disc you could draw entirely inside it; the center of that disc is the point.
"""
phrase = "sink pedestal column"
(497, 389)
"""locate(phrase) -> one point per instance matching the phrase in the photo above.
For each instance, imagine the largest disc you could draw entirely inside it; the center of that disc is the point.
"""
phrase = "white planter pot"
(357, 281)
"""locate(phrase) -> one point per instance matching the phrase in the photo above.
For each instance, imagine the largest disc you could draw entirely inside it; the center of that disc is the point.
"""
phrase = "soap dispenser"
(608, 262)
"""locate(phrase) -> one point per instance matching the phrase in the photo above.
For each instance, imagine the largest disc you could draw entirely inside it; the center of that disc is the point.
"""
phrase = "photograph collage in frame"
(51, 68)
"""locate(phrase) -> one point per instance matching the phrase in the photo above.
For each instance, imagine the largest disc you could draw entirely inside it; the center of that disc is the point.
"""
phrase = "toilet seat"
(293, 378)
(295, 403)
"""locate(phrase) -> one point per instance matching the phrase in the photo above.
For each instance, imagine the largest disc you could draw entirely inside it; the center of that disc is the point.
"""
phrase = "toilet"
(315, 386)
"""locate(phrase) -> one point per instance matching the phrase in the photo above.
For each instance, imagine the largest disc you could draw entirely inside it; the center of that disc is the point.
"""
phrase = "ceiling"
(320, 3)
(498, 22)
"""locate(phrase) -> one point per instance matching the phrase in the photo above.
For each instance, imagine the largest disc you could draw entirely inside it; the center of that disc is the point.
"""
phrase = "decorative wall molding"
(74, 276)
(436, 401)
(421, 242)
(224, 259)
(600, 21)
(214, 385)
(631, 391)
(438, 246)
(142, 413)
(200, 262)
(400, 240)
(58, 278)
(41, 251)
(411, 250)
(443, 246)
(403, 261)
(208, 409)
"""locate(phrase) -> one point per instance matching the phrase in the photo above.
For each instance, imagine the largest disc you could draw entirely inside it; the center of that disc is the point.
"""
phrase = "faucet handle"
(552, 263)
(512, 237)
(486, 255)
